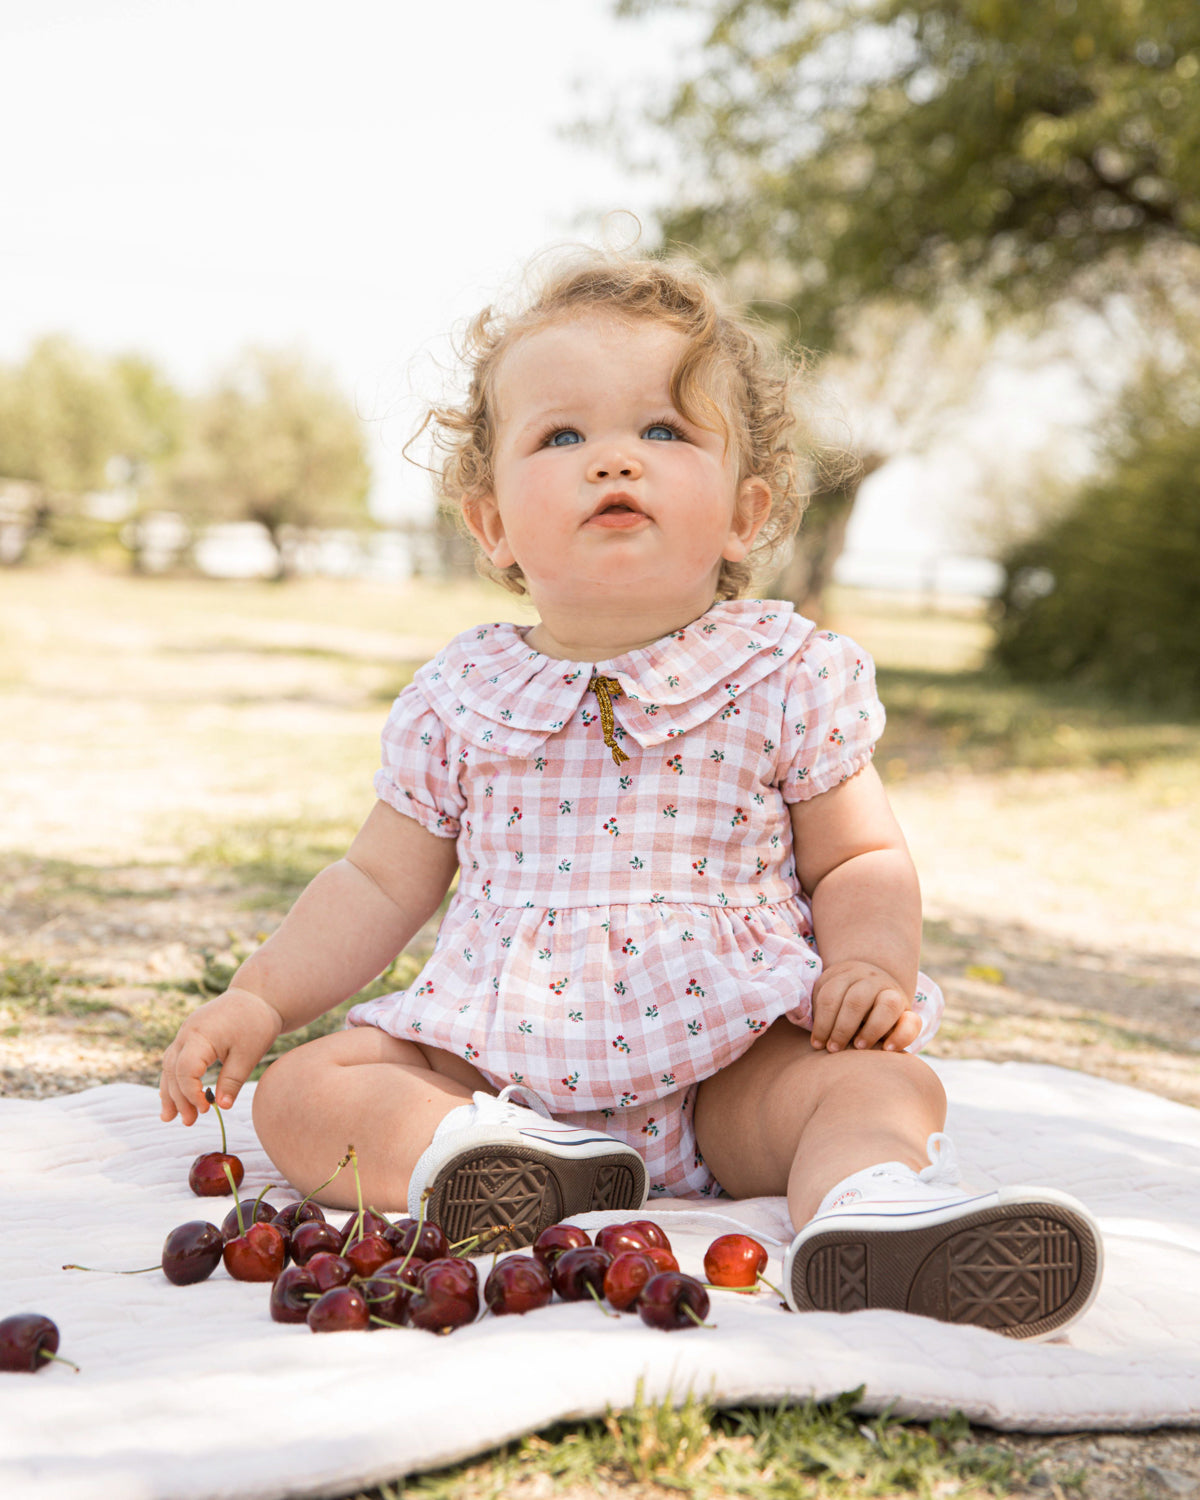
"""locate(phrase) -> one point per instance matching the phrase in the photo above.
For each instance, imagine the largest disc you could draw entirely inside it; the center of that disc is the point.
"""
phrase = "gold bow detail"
(606, 689)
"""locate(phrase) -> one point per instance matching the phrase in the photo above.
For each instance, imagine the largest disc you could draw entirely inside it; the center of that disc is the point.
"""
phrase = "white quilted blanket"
(192, 1392)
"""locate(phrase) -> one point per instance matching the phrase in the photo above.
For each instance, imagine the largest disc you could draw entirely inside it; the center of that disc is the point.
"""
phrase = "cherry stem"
(599, 1303)
(695, 1316)
(352, 1155)
(237, 1202)
(141, 1270)
(212, 1099)
(773, 1288)
(382, 1322)
(258, 1200)
(345, 1161)
(416, 1239)
(493, 1231)
(62, 1358)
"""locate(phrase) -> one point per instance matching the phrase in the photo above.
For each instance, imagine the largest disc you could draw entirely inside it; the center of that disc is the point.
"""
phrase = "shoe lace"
(511, 1098)
(943, 1160)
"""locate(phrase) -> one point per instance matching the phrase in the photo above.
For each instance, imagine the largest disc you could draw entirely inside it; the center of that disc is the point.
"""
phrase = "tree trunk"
(809, 571)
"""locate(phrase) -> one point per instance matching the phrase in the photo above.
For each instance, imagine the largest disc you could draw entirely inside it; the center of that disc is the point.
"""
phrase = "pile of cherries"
(377, 1273)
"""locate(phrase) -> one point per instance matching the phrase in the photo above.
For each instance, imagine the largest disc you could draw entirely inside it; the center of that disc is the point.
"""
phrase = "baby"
(682, 955)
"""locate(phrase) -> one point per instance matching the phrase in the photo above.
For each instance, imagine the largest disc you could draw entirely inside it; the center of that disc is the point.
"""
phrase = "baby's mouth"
(617, 510)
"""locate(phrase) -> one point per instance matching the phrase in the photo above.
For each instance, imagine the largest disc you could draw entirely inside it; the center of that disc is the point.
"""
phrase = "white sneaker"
(495, 1162)
(1022, 1261)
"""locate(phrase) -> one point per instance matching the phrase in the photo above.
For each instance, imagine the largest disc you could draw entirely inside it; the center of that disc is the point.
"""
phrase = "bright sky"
(190, 177)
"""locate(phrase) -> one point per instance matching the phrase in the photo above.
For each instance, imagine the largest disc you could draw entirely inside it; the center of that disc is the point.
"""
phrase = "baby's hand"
(235, 1029)
(861, 1003)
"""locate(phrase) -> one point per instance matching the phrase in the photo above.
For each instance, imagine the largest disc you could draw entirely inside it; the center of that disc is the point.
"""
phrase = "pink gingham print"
(621, 932)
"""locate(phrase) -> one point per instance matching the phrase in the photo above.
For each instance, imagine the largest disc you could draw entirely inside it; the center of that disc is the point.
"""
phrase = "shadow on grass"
(981, 721)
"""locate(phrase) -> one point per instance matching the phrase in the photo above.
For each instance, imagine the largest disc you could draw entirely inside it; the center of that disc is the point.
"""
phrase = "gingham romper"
(627, 918)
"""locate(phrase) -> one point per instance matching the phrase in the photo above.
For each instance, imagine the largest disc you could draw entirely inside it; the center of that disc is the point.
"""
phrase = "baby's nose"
(614, 465)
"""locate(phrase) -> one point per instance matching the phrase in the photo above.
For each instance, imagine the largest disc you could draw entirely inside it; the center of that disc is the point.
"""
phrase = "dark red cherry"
(28, 1341)
(389, 1290)
(192, 1252)
(329, 1270)
(292, 1293)
(663, 1259)
(625, 1278)
(298, 1211)
(263, 1213)
(339, 1309)
(673, 1300)
(368, 1254)
(517, 1284)
(426, 1241)
(557, 1240)
(577, 1270)
(207, 1177)
(313, 1236)
(447, 1295)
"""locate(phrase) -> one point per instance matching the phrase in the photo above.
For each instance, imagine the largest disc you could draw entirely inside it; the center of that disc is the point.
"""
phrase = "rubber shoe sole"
(486, 1187)
(1024, 1266)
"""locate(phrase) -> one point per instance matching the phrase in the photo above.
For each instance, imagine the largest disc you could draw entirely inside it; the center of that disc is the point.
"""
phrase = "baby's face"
(601, 486)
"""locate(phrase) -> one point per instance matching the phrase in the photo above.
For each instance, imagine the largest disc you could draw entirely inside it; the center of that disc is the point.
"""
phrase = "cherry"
(654, 1235)
(192, 1252)
(340, 1308)
(292, 1294)
(447, 1295)
(579, 1273)
(263, 1213)
(735, 1260)
(207, 1177)
(313, 1236)
(557, 1240)
(663, 1259)
(28, 1341)
(517, 1284)
(626, 1276)
(420, 1239)
(673, 1300)
(367, 1254)
(298, 1211)
(257, 1255)
(329, 1270)
(388, 1292)
(616, 1238)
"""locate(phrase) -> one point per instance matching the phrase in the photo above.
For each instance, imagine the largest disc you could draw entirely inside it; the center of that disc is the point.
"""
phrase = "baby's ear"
(482, 515)
(751, 510)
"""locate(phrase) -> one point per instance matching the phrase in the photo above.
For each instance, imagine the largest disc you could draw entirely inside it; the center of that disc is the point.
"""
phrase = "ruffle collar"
(495, 691)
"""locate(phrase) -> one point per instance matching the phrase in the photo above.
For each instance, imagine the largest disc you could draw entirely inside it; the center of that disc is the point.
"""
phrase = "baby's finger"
(827, 1002)
(855, 1006)
(235, 1070)
(889, 1006)
(904, 1033)
(195, 1055)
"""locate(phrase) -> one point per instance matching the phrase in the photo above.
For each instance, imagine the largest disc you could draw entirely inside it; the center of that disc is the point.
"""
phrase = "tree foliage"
(843, 149)
(278, 443)
(1110, 594)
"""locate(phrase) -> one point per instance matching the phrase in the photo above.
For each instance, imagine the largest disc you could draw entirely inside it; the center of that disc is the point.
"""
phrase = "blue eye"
(565, 437)
(660, 432)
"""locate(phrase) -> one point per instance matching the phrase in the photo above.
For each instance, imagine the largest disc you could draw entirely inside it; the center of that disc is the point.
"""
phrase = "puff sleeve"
(832, 717)
(418, 775)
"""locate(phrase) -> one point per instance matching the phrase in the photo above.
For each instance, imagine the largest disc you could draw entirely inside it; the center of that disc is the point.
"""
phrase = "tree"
(66, 415)
(275, 442)
(837, 152)
(1109, 594)
(868, 147)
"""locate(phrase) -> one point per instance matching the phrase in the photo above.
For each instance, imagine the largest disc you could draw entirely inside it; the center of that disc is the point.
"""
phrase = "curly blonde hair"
(732, 378)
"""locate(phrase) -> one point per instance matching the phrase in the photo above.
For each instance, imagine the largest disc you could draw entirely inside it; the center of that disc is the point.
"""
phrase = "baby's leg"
(787, 1118)
(359, 1087)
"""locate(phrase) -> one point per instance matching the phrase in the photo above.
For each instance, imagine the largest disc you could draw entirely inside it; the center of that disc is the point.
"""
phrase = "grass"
(783, 1452)
(182, 756)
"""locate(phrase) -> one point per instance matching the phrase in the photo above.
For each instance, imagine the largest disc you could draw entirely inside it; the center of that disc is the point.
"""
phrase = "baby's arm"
(343, 931)
(855, 868)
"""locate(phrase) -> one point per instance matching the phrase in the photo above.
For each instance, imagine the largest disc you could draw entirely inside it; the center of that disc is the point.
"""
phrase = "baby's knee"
(926, 1086)
(277, 1092)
